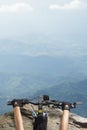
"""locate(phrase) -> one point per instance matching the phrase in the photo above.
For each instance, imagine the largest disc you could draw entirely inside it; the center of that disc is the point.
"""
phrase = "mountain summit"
(54, 118)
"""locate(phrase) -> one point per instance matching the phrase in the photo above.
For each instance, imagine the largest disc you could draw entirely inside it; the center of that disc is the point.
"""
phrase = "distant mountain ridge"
(59, 65)
(38, 44)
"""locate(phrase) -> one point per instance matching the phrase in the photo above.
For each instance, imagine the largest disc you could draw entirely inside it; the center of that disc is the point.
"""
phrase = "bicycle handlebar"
(60, 104)
(22, 101)
(45, 101)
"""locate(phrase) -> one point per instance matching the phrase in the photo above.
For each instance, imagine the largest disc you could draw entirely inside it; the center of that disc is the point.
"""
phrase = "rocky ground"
(54, 117)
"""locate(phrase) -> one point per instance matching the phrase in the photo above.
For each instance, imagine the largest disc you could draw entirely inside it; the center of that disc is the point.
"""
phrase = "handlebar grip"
(20, 102)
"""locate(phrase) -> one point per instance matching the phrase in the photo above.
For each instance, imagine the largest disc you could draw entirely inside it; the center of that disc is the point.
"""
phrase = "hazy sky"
(61, 17)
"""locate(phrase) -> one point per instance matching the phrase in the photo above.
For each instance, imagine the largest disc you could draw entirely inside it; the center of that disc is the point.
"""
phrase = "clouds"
(73, 5)
(22, 17)
(17, 7)
(26, 7)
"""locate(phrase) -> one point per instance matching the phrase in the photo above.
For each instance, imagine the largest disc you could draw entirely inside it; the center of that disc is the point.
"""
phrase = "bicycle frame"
(40, 121)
